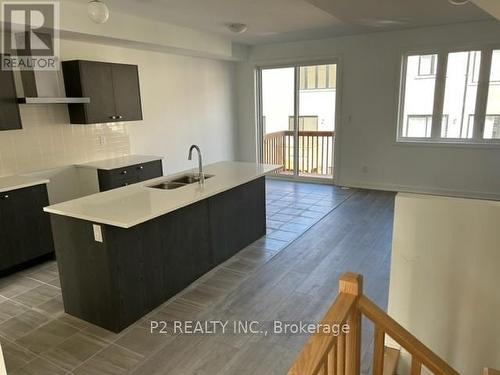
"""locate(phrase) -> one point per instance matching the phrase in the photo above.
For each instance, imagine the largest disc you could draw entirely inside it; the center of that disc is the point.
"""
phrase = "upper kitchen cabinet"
(113, 90)
(10, 118)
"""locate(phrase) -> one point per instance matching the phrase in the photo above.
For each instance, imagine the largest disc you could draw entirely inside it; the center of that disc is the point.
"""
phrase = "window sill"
(448, 143)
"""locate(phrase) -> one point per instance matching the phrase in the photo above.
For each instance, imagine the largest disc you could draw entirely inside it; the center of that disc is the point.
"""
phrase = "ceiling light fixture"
(458, 2)
(98, 11)
(237, 28)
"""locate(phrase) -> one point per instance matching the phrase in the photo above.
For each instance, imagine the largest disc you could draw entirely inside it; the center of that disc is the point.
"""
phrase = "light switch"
(97, 233)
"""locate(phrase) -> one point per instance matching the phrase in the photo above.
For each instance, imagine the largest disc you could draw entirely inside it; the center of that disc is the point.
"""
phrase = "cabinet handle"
(112, 117)
(140, 167)
(5, 196)
(124, 172)
(119, 117)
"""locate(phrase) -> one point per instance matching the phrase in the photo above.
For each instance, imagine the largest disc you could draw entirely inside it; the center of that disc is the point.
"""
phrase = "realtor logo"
(30, 35)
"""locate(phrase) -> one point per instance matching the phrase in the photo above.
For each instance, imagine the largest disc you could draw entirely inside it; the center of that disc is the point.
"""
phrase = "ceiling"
(290, 20)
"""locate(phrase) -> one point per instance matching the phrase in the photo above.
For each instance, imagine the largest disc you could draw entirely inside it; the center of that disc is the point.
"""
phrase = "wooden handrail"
(339, 355)
(404, 338)
(321, 352)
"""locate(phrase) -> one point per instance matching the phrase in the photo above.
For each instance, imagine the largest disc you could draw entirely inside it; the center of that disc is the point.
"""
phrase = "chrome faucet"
(201, 175)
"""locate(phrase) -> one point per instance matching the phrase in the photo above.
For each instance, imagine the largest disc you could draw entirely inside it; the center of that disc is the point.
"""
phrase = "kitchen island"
(123, 252)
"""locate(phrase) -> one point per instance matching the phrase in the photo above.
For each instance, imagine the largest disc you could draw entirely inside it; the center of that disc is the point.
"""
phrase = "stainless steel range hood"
(42, 87)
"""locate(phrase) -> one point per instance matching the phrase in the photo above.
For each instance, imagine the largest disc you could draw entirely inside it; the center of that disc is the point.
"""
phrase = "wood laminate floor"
(315, 233)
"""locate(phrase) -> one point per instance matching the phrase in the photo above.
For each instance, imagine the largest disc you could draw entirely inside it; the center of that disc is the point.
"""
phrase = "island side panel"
(157, 259)
(86, 281)
(237, 218)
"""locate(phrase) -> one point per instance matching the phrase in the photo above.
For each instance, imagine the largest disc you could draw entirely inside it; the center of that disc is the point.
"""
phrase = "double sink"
(179, 182)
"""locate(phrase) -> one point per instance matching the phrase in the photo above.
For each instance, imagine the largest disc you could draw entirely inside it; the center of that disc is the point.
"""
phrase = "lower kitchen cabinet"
(115, 178)
(25, 232)
(114, 282)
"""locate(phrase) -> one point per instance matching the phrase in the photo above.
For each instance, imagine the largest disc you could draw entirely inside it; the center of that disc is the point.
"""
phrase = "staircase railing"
(326, 354)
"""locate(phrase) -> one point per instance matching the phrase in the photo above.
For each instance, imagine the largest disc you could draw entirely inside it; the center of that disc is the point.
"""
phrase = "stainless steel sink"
(190, 178)
(179, 182)
(168, 185)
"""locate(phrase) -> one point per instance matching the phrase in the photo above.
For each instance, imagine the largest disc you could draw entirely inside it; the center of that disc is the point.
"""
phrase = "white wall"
(3, 371)
(369, 91)
(444, 277)
(185, 100)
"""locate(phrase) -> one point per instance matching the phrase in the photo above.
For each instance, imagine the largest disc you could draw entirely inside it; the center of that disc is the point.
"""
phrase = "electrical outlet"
(101, 140)
(97, 232)
(364, 168)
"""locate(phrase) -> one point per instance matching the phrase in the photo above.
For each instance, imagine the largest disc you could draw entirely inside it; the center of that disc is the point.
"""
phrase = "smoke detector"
(237, 28)
(458, 2)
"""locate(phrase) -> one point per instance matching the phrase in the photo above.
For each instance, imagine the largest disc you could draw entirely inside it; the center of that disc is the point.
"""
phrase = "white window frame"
(439, 92)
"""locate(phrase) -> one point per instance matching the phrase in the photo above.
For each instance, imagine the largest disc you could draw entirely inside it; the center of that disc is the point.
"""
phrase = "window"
(442, 92)
(427, 65)
(491, 125)
(418, 126)
(418, 100)
(318, 77)
(460, 94)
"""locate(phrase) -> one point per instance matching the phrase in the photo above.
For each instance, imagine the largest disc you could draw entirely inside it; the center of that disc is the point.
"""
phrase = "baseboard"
(422, 190)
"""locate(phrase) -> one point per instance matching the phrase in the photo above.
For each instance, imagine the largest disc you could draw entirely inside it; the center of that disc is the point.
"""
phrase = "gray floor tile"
(303, 220)
(273, 224)
(37, 296)
(15, 356)
(9, 309)
(283, 235)
(16, 284)
(114, 360)
(293, 227)
(47, 336)
(141, 340)
(22, 324)
(74, 351)
(270, 244)
(44, 275)
(39, 366)
(53, 307)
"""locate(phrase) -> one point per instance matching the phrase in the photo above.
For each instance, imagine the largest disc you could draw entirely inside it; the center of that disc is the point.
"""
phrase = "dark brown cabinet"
(115, 282)
(115, 178)
(25, 232)
(9, 109)
(113, 90)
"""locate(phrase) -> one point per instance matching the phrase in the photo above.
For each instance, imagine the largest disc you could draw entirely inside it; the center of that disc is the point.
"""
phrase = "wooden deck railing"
(341, 355)
(315, 151)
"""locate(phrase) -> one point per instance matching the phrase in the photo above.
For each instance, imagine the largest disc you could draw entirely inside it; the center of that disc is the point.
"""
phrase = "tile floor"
(37, 337)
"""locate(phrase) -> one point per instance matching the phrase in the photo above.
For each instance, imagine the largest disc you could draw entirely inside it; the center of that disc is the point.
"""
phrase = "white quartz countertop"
(119, 162)
(9, 183)
(137, 203)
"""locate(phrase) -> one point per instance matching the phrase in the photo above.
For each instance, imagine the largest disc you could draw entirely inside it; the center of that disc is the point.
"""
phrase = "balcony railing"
(315, 151)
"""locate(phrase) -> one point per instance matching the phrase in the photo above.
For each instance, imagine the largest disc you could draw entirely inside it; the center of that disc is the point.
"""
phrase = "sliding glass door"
(297, 119)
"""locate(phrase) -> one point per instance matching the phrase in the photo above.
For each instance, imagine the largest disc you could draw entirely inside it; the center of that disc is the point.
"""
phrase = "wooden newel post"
(352, 283)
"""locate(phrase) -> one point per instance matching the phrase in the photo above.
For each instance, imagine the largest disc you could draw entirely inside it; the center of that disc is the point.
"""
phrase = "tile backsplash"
(47, 140)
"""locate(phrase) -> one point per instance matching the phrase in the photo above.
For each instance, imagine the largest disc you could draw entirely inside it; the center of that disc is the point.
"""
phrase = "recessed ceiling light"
(458, 2)
(237, 28)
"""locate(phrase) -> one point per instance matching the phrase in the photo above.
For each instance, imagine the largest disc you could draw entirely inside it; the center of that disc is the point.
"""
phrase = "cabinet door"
(9, 255)
(97, 83)
(150, 170)
(9, 109)
(26, 232)
(126, 92)
(115, 178)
